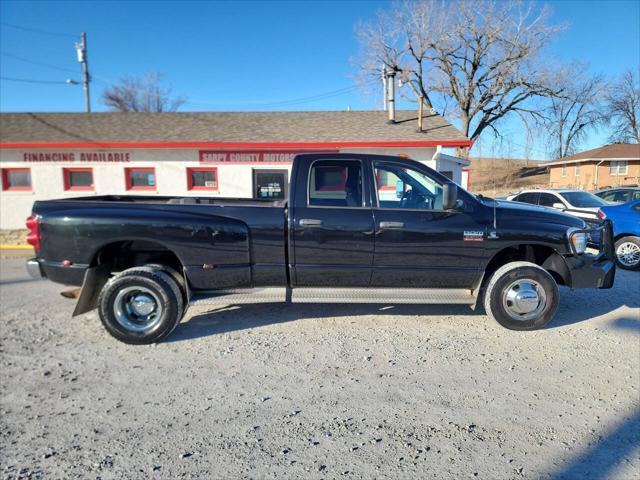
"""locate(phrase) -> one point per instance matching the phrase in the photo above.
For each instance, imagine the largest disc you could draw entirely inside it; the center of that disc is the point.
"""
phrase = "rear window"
(529, 197)
(583, 199)
(335, 183)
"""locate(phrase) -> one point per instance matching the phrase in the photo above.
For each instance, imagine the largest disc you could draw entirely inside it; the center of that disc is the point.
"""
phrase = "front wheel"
(521, 296)
(628, 253)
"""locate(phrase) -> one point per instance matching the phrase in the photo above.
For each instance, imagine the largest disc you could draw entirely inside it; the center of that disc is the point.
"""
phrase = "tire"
(155, 314)
(509, 296)
(177, 277)
(628, 253)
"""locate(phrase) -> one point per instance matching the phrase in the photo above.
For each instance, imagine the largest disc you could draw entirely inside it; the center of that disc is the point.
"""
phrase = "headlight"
(578, 240)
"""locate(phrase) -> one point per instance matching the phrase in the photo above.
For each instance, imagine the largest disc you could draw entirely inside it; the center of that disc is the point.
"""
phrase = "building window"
(78, 178)
(577, 169)
(563, 171)
(618, 167)
(140, 178)
(16, 179)
(199, 178)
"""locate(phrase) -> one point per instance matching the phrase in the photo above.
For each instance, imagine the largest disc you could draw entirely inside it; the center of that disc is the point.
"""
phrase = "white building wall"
(170, 165)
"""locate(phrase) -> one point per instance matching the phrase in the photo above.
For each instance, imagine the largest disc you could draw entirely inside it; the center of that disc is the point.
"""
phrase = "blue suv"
(626, 232)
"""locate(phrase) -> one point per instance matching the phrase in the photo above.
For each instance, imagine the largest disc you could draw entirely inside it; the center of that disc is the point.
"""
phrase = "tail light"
(33, 238)
(601, 215)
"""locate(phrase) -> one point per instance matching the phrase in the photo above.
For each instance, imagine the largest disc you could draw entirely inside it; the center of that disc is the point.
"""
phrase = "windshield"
(583, 199)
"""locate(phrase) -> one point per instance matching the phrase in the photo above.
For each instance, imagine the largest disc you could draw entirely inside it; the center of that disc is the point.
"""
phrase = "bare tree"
(574, 112)
(623, 109)
(481, 57)
(141, 94)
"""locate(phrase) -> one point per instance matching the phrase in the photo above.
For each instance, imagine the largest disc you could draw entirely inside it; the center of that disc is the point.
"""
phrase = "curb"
(15, 247)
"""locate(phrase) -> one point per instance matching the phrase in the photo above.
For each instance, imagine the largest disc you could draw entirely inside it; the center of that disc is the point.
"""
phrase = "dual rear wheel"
(142, 305)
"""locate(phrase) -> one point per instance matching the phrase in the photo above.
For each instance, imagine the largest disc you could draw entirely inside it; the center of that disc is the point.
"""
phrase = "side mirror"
(449, 196)
(559, 206)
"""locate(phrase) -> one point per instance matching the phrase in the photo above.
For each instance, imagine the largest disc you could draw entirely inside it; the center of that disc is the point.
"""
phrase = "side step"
(336, 295)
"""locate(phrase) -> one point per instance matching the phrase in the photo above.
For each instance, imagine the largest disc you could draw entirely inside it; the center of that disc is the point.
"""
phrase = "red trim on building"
(191, 186)
(130, 186)
(249, 145)
(66, 174)
(5, 180)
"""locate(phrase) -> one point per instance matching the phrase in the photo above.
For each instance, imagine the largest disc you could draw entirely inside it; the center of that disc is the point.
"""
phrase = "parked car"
(626, 231)
(619, 195)
(578, 203)
(356, 228)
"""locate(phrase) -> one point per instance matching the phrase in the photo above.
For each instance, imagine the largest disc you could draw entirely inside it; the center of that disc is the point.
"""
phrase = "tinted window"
(608, 196)
(80, 178)
(583, 199)
(530, 197)
(19, 179)
(402, 187)
(547, 200)
(335, 183)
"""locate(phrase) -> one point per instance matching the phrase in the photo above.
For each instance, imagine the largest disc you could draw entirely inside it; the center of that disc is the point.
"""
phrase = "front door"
(270, 184)
(417, 242)
(333, 226)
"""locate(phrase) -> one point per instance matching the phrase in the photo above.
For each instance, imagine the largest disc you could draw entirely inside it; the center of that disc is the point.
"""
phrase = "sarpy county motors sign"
(250, 156)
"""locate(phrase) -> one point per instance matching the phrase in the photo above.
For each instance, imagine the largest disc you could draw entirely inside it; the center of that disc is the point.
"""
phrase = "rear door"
(332, 225)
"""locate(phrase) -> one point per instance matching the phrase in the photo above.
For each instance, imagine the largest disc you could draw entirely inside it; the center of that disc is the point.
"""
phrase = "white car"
(578, 203)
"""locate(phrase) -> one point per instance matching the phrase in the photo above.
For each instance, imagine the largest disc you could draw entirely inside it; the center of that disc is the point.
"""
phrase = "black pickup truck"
(356, 229)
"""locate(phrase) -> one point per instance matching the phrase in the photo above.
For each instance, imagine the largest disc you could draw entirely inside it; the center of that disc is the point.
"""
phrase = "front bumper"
(33, 269)
(594, 271)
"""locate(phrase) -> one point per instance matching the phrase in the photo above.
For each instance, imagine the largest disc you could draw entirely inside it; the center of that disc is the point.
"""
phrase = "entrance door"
(333, 226)
(417, 242)
(270, 184)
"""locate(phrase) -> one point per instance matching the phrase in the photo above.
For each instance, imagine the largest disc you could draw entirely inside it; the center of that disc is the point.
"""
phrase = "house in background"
(609, 166)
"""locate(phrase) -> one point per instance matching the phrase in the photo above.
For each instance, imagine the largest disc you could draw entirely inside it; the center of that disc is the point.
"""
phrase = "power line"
(30, 80)
(34, 62)
(36, 30)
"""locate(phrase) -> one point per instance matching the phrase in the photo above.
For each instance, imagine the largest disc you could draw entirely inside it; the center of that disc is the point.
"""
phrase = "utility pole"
(81, 50)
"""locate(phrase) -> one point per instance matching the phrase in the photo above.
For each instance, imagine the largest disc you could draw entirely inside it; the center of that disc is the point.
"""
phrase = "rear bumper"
(56, 271)
(595, 271)
(33, 269)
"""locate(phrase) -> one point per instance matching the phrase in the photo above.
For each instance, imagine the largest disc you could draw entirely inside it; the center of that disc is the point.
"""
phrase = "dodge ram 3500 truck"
(356, 229)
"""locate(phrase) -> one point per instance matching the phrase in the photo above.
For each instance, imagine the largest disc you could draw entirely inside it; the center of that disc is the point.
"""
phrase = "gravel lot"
(321, 391)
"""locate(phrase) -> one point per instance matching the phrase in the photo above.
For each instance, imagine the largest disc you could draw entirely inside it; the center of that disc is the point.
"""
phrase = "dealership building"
(217, 154)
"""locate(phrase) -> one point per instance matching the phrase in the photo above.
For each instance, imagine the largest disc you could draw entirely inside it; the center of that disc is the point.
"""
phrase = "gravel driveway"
(321, 391)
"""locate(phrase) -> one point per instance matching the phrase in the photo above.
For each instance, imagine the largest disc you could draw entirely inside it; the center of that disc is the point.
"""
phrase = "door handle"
(310, 222)
(391, 225)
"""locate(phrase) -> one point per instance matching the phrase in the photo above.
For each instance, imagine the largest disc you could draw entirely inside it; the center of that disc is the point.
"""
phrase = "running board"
(336, 295)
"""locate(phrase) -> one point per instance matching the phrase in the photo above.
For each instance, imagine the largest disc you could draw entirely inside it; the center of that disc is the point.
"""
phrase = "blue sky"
(251, 55)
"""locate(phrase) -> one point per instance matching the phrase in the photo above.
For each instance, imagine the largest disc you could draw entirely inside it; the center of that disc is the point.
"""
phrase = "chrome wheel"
(628, 254)
(138, 309)
(524, 299)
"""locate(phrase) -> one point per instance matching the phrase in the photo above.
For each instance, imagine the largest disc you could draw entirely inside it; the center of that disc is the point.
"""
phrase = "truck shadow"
(602, 458)
(241, 317)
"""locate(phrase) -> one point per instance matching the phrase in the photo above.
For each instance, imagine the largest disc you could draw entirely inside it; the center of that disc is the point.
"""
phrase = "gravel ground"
(321, 391)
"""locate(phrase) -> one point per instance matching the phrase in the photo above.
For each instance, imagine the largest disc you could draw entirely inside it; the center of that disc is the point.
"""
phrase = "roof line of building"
(584, 160)
(235, 145)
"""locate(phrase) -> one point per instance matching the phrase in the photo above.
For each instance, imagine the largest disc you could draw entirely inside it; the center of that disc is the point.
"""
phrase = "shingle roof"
(613, 151)
(276, 127)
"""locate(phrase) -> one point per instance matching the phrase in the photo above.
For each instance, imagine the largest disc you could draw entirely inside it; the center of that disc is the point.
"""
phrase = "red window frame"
(191, 186)
(127, 178)
(66, 172)
(5, 180)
